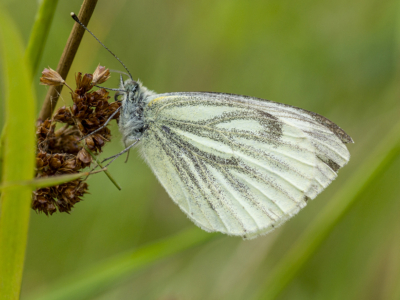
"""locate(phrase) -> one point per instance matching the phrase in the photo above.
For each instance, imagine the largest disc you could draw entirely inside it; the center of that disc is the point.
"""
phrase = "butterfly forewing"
(240, 165)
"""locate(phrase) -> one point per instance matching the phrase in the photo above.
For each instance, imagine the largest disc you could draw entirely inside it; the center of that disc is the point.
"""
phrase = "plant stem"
(46, 181)
(18, 157)
(67, 58)
(39, 33)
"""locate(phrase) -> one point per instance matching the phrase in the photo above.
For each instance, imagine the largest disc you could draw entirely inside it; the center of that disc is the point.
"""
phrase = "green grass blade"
(313, 237)
(18, 157)
(44, 182)
(87, 284)
(2, 138)
(39, 33)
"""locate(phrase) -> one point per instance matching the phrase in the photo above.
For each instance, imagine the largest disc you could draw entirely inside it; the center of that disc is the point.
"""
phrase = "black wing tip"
(339, 132)
(344, 137)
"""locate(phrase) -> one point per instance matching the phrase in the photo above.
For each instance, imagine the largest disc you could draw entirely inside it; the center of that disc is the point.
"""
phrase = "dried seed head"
(41, 161)
(51, 77)
(83, 83)
(84, 157)
(45, 135)
(55, 162)
(44, 130)
(43, 201)
(63, 115)
(100, 75)
(61, 151)
(63, 197)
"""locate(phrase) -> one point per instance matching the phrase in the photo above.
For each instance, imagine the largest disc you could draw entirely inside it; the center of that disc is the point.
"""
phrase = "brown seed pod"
(51, 77)
(100, 75)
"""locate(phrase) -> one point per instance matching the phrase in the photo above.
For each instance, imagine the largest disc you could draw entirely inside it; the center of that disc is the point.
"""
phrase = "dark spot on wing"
(272, 124)
(334, 166)
(166, 129)
(331, 164)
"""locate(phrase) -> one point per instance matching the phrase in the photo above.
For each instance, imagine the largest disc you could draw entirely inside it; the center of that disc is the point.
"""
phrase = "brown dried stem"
(67, 58)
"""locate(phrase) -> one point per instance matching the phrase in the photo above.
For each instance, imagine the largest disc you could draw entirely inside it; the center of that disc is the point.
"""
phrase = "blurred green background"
(336, 58)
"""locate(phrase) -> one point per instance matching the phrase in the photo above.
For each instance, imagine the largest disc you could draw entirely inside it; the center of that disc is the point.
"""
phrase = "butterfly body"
(132, 123)
(234, 164)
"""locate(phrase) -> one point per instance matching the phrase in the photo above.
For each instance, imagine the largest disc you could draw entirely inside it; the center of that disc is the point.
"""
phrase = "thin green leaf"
(39, 33)
(43, 182)
(318, 231)
(2, 138)
(18, 157)
(87, 284)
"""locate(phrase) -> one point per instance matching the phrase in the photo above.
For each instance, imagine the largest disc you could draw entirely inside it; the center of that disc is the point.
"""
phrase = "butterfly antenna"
(110, 89)
(74, 16)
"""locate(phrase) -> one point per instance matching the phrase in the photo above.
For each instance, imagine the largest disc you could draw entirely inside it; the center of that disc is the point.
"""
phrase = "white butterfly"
(234, 164)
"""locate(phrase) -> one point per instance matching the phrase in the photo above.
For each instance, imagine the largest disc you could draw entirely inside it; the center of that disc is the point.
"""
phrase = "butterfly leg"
(127, 156)
(104, 125)
(114, 157)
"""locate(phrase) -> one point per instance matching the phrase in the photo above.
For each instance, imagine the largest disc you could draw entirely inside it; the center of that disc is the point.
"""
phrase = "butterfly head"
(133, 91)
(135, 96)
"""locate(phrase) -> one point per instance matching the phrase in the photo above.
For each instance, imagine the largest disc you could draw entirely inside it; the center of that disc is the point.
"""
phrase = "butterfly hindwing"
(240, 165)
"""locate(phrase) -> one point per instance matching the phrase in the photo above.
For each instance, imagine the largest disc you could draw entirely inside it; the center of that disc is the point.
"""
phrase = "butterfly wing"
(240, 165)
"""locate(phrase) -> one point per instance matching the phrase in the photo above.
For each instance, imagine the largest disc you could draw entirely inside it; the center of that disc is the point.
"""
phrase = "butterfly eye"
(135, 88)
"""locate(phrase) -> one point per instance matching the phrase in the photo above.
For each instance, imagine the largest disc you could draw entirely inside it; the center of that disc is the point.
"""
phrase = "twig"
(100, 165)
(67, 58)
